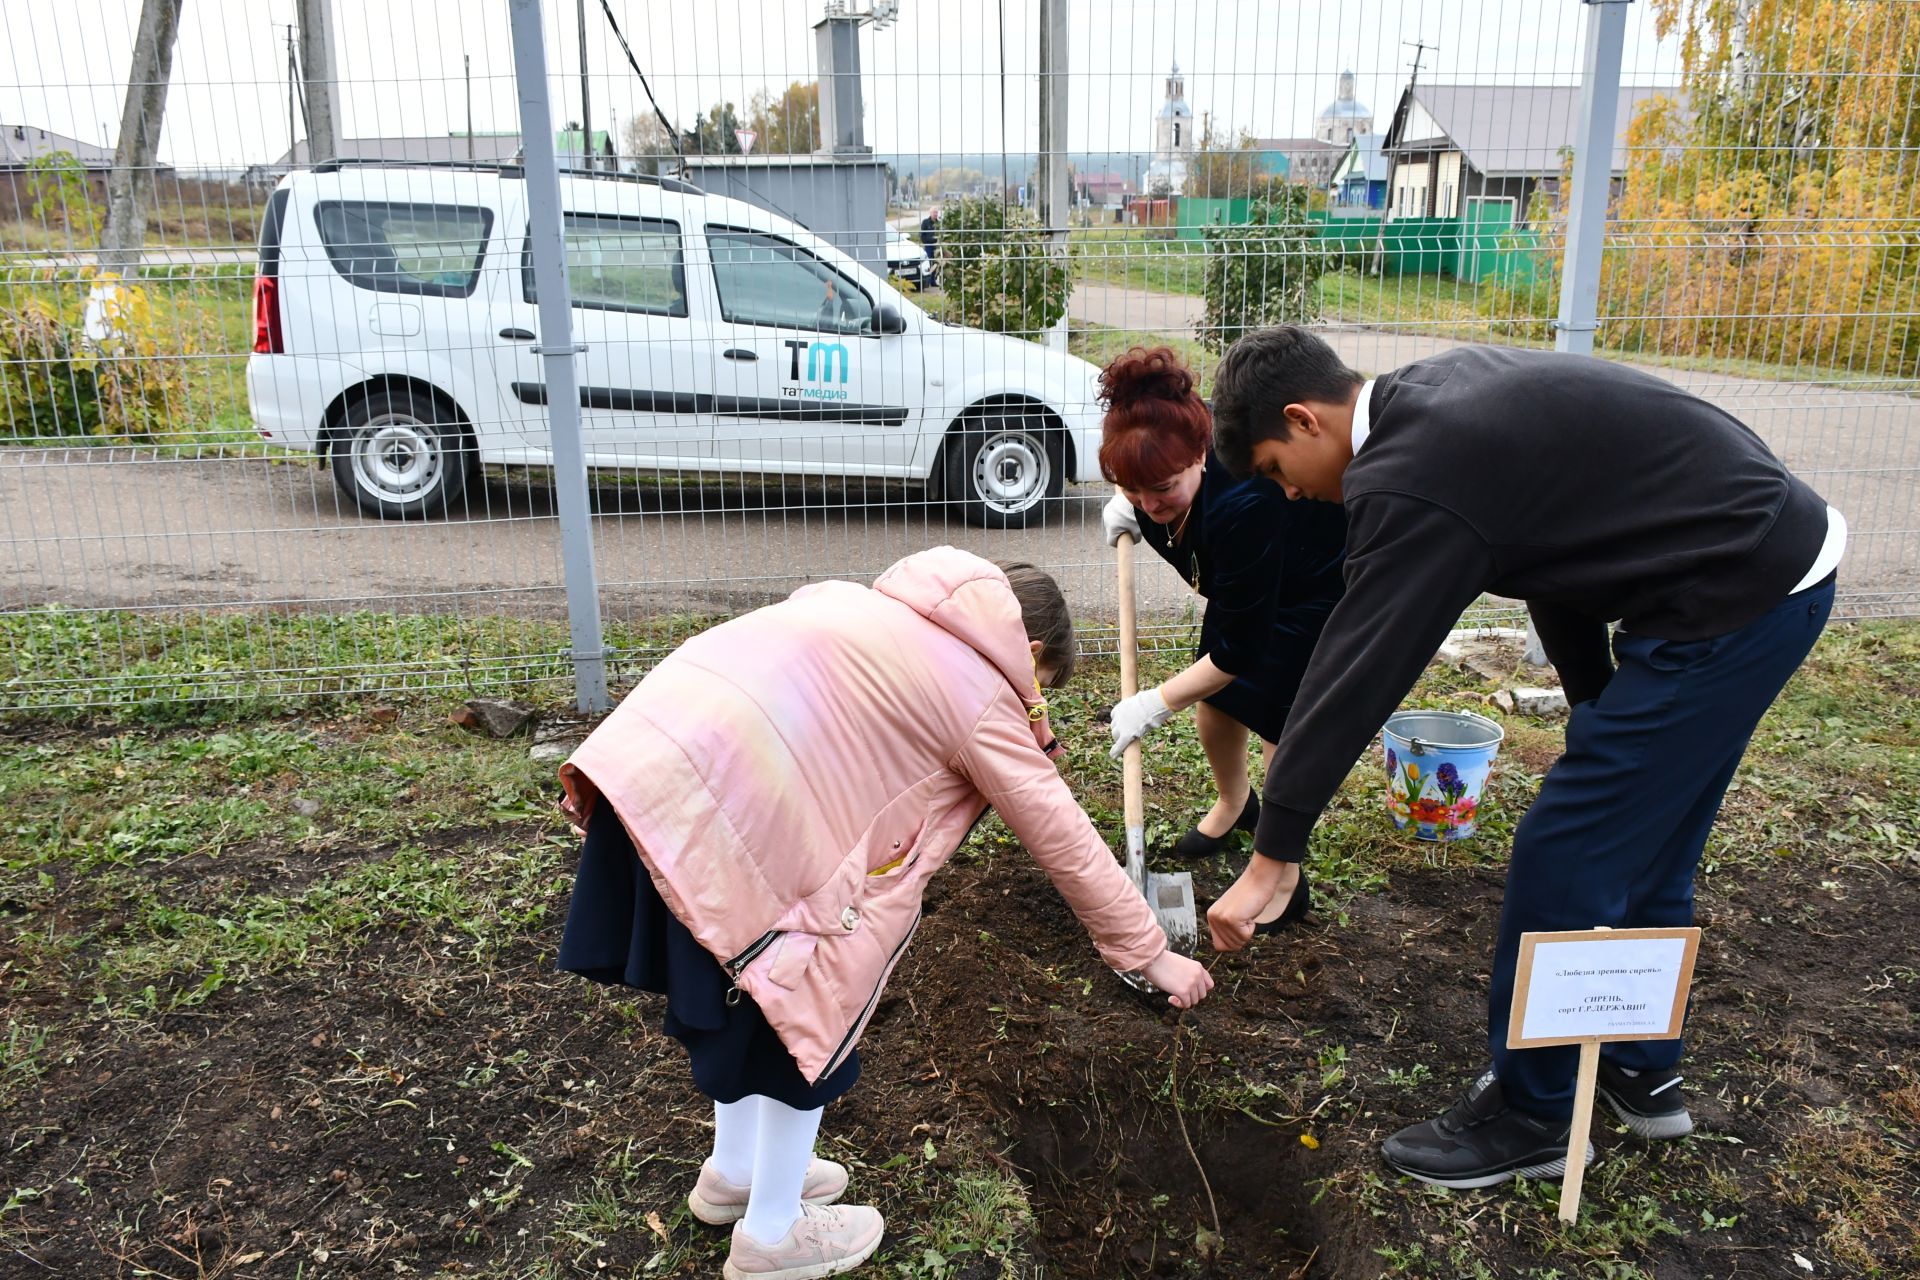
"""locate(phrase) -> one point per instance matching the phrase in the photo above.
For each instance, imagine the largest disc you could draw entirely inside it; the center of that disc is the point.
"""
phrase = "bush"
(57, 185)
(1264, 272)
(997, 269)
(56, 382)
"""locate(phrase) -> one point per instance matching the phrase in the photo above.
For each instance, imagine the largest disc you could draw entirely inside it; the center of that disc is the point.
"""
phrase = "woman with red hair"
(1270, 571)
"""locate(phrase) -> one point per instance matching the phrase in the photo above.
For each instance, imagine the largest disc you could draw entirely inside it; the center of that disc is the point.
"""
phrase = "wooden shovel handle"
(1131, 780)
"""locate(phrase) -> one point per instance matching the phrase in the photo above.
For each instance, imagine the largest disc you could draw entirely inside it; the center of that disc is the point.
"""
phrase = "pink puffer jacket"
(793, 777)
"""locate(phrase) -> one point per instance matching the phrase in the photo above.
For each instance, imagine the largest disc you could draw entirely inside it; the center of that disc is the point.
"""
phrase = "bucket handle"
(1420, 746)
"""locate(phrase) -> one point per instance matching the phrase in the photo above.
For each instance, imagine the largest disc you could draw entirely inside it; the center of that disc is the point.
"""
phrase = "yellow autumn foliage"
(1774, 214)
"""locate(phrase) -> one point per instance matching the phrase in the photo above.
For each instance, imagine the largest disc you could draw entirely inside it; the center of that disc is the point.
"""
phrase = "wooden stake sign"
(1588, 987)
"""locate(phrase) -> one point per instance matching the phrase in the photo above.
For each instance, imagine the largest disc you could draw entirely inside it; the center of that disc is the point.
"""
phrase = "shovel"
(1169, 897)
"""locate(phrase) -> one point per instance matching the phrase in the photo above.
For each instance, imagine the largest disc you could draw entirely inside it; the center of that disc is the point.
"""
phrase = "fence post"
(1592, 177)
(556, 349)
(1054, 195)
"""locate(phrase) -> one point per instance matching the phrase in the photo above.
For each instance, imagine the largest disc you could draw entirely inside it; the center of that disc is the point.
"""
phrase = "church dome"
(1346, 109)
(1346, 106)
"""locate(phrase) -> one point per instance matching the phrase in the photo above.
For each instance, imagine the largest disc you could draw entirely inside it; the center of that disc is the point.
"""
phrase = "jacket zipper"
(853, 1032)
(754, 948)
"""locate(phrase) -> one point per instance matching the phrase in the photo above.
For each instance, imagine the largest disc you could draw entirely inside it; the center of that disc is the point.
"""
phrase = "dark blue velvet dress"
(1271, 571)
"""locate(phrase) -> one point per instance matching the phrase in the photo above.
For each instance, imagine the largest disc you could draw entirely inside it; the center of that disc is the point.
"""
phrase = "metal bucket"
(1437, 762)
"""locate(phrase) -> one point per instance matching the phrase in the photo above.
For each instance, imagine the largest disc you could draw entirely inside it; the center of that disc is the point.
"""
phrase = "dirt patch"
(1319, 1045)
(407, 1109)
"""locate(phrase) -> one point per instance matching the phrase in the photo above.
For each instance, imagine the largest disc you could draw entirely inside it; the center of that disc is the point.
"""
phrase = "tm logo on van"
(822, 359)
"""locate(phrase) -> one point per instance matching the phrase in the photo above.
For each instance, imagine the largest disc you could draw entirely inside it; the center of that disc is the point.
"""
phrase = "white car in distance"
(396, 326)
(907, 260)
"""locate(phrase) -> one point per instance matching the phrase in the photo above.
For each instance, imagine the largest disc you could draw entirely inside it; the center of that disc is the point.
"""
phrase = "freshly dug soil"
(407, 1110)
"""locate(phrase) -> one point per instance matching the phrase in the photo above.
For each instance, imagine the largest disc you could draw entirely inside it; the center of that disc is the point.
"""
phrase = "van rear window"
(270, 234)
(433, 249)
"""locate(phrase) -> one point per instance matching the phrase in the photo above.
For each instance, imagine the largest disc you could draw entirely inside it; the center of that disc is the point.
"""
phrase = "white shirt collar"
(1363, 415)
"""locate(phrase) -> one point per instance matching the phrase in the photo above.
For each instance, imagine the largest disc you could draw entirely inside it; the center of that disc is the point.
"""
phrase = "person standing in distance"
(1597, 494)
(930, 241)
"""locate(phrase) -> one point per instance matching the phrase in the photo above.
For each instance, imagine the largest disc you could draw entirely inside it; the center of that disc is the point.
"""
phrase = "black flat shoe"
(1296, 910)
(1197, 844)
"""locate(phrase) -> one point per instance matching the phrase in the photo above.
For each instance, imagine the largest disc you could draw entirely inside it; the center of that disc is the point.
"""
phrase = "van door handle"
(518, 335)
(739, 353)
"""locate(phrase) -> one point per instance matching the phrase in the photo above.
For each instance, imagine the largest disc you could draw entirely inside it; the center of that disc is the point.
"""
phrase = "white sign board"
(745, 138)
(1584, 987)
(1604, 984)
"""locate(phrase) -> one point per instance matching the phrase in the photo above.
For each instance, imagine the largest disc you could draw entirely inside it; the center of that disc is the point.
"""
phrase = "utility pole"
(131, 181)
(586, 107)
(1003, 104)
(316, 56)
(1051, 179)
(466, 60)
(293, 98)
(1420, 49)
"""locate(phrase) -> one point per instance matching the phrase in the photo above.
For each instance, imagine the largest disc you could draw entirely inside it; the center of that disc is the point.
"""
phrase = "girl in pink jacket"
(762, 815)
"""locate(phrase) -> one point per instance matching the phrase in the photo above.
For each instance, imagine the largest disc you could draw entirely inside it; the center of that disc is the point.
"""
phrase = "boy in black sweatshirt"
(1597, 494)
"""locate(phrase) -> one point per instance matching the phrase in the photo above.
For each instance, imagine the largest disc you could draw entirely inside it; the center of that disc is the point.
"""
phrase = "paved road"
(1141, 309)
(118, 528)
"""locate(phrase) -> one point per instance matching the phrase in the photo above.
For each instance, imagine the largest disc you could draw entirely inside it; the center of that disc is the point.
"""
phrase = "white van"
(395, 329)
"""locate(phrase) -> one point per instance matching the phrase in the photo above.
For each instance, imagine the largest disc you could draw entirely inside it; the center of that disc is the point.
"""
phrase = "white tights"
(767, 1146)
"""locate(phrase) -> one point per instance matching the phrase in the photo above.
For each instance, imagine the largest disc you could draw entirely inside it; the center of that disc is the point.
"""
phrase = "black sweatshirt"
(1591, 491)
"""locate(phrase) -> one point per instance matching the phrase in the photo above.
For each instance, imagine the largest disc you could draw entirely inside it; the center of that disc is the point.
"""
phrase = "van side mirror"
(888, 319)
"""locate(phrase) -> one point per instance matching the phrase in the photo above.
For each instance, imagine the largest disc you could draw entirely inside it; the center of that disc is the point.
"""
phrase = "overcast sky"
(933, 79)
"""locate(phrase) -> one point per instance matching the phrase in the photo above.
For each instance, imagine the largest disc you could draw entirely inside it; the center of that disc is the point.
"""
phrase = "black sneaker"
(1480, 1142)
(1649, 1103)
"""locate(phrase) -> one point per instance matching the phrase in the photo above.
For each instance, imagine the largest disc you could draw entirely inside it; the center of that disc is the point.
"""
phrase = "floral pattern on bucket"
(1436, 795)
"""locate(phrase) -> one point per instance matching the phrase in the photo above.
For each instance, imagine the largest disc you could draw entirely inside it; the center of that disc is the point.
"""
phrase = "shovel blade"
(1171, 898)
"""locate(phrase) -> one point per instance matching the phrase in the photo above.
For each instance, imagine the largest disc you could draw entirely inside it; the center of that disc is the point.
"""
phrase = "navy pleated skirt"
(620, 931)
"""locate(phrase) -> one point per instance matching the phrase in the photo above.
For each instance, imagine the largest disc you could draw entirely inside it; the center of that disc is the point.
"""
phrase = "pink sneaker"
(717, 1202)
(823, 1242)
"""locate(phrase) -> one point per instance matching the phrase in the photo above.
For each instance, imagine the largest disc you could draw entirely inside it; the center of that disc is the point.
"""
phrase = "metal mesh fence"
(841, 279)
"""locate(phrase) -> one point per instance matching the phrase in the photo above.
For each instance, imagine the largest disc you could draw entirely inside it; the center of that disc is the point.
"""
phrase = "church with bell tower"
(1173, 140)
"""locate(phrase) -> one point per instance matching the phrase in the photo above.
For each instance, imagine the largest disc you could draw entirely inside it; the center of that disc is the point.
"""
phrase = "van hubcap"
(1011, 471)
(397, 458)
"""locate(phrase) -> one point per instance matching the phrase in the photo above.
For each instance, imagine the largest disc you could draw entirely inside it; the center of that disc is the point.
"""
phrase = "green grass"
(1098, 344)
(153, 859)
(201, 327)
(187, 667)
(1427, 303)
(1436, 303)
(1135, 259)
(172, 223)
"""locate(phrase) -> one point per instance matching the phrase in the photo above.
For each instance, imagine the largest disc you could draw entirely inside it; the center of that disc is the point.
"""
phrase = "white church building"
(1173, 139)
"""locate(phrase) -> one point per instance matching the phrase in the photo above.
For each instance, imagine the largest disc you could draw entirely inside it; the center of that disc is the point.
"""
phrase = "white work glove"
(1117, 518)
(1133, 717)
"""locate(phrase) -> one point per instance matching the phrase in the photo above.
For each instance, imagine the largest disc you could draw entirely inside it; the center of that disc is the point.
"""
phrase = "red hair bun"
(1155, 425)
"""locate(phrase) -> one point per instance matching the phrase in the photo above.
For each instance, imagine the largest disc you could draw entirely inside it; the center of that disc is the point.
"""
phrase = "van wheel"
(400, 455)
(999, 472)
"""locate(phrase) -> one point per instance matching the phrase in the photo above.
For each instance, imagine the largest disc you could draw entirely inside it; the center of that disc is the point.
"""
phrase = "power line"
(673, 134)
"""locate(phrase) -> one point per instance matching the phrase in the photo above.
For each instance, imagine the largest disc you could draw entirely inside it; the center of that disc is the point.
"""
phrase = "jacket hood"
(971, 600)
